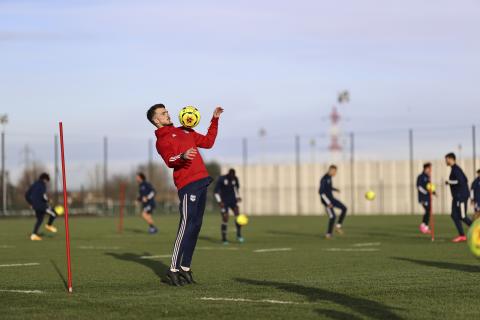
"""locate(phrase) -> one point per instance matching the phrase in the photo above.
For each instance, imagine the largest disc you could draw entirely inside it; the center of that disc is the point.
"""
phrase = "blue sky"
(97, 65)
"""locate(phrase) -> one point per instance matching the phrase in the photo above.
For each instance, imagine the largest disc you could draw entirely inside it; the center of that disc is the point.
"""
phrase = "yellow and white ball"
(474, 238)
(242, 220)
(189, 117)
(370, 195)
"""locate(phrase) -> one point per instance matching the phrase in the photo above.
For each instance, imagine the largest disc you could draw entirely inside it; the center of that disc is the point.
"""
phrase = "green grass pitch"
(382, 268)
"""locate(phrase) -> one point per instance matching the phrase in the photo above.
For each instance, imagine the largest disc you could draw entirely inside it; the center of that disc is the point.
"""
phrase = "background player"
(330, 202)
(475, 195)
(178, 148)
(227, 196)
(147, 198)
(460, 193)
(424, 196)
(37, 198)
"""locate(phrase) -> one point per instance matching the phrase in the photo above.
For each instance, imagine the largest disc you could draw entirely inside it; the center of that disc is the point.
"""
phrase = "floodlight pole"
(105, 172)
(245, 166)
(150, 160)
(3, 122)
(352, 170)
(55, 142)
(474, 149)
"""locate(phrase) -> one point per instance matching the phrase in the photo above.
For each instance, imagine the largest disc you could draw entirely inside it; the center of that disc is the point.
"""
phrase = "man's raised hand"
(218, 111)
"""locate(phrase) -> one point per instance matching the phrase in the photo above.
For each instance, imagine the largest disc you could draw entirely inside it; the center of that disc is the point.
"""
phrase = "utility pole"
(3, 122)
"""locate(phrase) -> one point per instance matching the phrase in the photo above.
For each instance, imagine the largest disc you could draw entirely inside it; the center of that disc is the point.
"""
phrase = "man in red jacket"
(178, 148)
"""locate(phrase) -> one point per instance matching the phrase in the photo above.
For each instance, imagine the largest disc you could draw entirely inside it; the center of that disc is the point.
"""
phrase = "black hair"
(427, 165)
(142, 176)
(478, 171)
(451, 155)
(44, 176)
(332, 167)
(231, 172)
(151, 112)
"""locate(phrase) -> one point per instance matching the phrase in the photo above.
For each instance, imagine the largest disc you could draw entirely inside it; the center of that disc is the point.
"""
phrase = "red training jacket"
(172, 142)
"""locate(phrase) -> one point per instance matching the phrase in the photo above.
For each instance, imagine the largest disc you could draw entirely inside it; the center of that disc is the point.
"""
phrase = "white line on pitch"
(23, 291)
(98, 248)
(352, 249)
(368, 244)
(272, 250)
(156, 257)
(247, 300)
(6, 247)
(19, 265)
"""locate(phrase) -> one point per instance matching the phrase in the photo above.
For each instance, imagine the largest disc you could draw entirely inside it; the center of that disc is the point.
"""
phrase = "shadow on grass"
(442, 265)
(158, 267)
(59, 273)
(367, 308)
(136, 231)
(209, 239)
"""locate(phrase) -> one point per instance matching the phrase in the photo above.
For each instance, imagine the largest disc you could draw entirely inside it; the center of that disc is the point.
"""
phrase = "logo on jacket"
(193, 198)
(174, 135)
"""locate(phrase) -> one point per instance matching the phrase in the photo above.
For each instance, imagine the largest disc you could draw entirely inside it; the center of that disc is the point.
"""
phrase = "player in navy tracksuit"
(458, 183)
(475, 195)
(37, 198)
(227, 196)
(330, 203)
(179, 149)
(147, 198)
(424, 196)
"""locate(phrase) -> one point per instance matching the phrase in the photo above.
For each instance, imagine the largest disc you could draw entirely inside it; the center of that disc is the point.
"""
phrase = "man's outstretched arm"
(207, 141)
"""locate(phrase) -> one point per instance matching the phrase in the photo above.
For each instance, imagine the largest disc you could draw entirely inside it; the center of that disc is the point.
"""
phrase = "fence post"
(298, 174)
(412, 182)
(352, 171)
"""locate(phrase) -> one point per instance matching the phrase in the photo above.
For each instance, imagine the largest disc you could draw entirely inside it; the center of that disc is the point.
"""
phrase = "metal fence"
(279, 173)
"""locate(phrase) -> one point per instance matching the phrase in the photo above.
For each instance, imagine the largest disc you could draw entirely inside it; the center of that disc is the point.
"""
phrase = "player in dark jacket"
(146, 196)
(423, 181)
(458, 183)
(37, 198)
(227, 196)
(475, 195)
(330, 202)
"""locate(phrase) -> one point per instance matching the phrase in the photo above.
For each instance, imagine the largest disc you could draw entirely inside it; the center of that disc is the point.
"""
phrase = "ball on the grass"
(189, 117)
(431, 187)
(370, 195)
(474, 238)
(242, 220)
(59, 210)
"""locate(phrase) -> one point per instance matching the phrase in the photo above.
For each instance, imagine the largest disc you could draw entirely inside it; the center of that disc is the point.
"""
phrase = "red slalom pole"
(65, 205)
(122, 207)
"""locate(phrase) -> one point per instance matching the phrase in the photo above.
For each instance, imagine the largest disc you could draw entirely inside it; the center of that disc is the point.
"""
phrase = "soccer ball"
(370, 195)
(242, 220)
(189, 117)
(431, 187)
(474, 238)
(59, 210)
